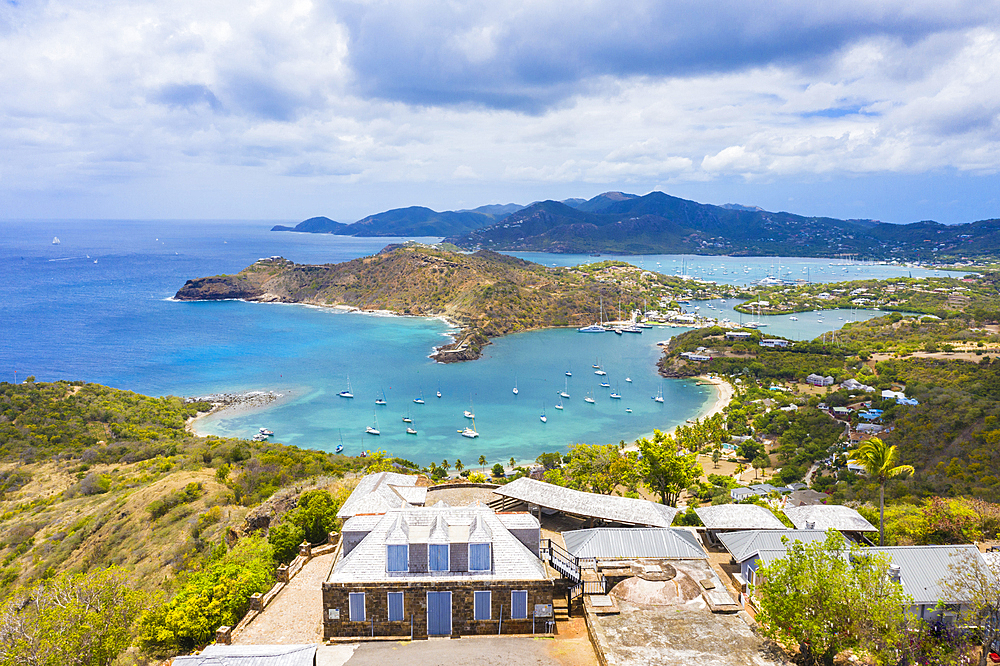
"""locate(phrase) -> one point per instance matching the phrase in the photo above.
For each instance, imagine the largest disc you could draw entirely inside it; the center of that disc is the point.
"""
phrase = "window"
(481, 605)
(357, 606)
(397, 558)
(437, 557)
(479, 557)
(519, 604)
(395, 607)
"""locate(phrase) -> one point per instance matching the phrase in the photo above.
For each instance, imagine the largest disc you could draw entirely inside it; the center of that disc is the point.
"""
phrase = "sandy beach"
(233, 403)
(725, 390)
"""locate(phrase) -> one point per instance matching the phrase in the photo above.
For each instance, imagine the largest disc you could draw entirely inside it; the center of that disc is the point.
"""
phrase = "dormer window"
(437, 557)
(479, 557)
(397, 557)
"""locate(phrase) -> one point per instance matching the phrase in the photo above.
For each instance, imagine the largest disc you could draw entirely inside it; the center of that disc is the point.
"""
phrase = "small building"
(606, 544)
(738, 335)
(696, 356)
(892, 395)
(805, 497)
(379, 492)
(855, 385)
(734, 517)
(740, 494)
(438, 571)
(775, 342)
(923, 572)
(824, 517)
(841, 412)
(751, 548)
(818, 380)
(218, 654)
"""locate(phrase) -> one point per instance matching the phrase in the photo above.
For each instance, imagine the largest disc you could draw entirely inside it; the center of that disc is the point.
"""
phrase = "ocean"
(97, 307)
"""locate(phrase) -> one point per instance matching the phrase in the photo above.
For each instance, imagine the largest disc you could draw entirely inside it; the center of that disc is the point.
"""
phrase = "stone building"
(438, 571)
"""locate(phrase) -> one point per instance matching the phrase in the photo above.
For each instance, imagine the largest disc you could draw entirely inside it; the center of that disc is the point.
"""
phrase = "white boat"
(407, 419)
(470, 432)
(55, 240)
(346, 393)
(439, 393)
(381, 399)
(628, 379)
(596, 366)
(615, 395)
(543, 418)
(515, 386)
(559, 405)
(628, 410)
(793, 318)
(605, 385)
(565, 391)
(593, 328)
(266, 432)
(410, 431)
(589, 398)
(659, 395)
(469, 414)
(373, 429)
(569, 374)
(419, 400)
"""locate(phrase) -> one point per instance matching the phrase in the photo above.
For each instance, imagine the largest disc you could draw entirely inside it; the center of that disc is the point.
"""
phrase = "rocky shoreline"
(232, 402)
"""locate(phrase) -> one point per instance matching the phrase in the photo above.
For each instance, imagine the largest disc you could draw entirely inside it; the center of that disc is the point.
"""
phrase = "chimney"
(894, 573)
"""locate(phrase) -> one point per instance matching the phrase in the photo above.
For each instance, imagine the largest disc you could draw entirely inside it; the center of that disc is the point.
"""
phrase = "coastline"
(724, 395)
(233, 403)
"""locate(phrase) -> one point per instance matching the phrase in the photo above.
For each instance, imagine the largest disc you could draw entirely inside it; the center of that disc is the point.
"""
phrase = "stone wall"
(335, 596)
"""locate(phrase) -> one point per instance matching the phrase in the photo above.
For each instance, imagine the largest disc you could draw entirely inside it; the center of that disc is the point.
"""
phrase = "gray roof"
(923, 568)
(748, 544)
(829, 517)
(377, 493)
(251, 655)
(576, 502)
(440, 523)
(363, 523)
(805, 497)
(620, 543)
(738, 517)
(518, 520)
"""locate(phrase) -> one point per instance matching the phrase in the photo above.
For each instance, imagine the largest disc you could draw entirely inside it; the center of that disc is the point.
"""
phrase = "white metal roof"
(251, 655)
(627, 542)
(591, 505)
(748, 544)
(923, 569)
(511, 559)
(375, 494)
(738, 517)
(829, 516)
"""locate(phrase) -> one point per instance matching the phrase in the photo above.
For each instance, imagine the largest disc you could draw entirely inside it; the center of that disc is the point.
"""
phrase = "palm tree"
(482, 463)
(879, 461)
(458, 465)
(512, 462)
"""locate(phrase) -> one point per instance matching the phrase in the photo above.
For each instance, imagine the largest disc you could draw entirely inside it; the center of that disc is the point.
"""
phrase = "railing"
(560, 560)
(599, 586)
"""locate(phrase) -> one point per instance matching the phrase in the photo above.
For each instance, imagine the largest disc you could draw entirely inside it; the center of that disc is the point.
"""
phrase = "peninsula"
(484, 294)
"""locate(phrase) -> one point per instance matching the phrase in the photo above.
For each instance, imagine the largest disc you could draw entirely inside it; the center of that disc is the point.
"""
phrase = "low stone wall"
(285, 574)
(335, 597)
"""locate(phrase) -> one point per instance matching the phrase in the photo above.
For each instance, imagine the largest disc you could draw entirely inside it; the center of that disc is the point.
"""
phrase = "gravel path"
(295, 615)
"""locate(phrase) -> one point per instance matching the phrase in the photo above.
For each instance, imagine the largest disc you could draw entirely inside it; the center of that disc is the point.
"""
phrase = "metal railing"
(560, 560)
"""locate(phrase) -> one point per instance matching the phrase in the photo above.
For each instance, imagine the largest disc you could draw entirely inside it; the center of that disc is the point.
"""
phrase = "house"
(817, 380)
(824, 517)
(696, 356)
(855, 385)
(734, 517)
(923, 572)
(738, 335)
(892, 395)
(805, 497)
(775, 342)
(246, 655)
(841, 412)
(751, 548)
(620, 543)
(437, 571)
(377, 493)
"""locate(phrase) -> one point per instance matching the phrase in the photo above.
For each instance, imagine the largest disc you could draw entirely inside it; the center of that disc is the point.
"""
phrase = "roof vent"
(810, 524)
(894, 573)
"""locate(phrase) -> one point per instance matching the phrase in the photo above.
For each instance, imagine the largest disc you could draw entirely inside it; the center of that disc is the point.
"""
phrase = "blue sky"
(285, 110)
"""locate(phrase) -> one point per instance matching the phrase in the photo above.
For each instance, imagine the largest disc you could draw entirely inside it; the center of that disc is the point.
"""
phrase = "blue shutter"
(395, 607)
(357, 606)
(437, 557)
(519, 604)
(482, 602)
(396, 558)
(479, 557)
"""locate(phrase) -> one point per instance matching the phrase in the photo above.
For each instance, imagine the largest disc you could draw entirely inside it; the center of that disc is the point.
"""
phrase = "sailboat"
(597, 364)
(559, 405)
(600, 372)
(373, 429)
(565, 391)
(569, 374)
(470, 432)
(407, 419)
(410, 430)
(615, 395)
(628, 379)
(515, 385)
(628, 410)
(419, 400)
(589, 398)
(605, 384)
(439, 392)
(469, 414)
(346, 393)
(381, 399)
(543, 418)
(659, 395)
(340, 447)
(55, 240)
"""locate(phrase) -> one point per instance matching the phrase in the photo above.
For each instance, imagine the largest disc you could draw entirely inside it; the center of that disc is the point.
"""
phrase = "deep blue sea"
(97, 307)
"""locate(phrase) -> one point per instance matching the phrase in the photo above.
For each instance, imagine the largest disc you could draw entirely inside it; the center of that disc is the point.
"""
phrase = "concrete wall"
(335, 596)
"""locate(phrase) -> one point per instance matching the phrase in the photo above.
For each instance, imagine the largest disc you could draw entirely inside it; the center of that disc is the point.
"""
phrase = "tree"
(70, 620)
(972, 579)
(445, 465)
(482, 463)
(663, 469)
(498, 471)
(512, 462)
(750, 449)
(716, 457)
(458, 465)
(378, 461)
(826, 597)
(879, 461)
(761, 462)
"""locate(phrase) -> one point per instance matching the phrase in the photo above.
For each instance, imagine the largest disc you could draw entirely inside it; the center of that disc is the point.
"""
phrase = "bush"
(285, 539)
(162, 506)
(498, 471)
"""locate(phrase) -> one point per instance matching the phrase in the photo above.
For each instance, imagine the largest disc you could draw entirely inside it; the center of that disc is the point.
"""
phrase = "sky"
(266, 109)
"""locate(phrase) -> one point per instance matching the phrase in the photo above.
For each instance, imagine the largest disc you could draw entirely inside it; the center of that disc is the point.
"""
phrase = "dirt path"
(295, 615)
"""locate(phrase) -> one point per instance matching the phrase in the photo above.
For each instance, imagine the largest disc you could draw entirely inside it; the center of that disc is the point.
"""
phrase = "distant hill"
(660, 223)
(316, 225)
(419, 221)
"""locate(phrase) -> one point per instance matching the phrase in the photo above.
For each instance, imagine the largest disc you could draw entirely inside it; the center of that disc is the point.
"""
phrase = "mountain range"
(660, 223)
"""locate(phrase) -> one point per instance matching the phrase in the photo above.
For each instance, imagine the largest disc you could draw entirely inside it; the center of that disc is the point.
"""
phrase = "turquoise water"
(97, 307)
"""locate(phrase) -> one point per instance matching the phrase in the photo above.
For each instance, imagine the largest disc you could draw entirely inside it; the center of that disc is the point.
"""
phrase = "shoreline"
(724, 395)
(233, 403)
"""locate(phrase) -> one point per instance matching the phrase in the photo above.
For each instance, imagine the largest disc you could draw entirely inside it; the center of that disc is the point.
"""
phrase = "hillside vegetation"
(486, 294)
